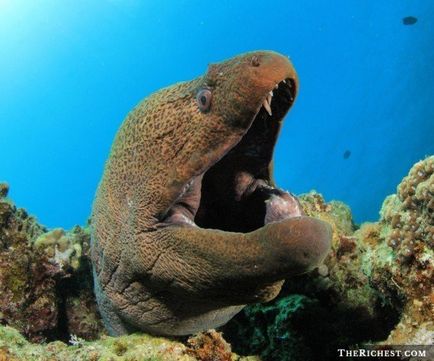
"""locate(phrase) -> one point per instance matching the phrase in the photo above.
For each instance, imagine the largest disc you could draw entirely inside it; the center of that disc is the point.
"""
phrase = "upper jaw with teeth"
(267, 101)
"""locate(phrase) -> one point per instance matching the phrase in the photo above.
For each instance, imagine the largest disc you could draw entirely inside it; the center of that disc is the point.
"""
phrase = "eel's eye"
(203, 99)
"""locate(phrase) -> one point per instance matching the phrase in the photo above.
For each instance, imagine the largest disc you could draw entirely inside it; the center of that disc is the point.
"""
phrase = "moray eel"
(187, 225)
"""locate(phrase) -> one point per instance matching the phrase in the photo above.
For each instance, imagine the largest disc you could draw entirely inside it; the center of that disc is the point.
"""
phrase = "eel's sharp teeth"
(266, 105)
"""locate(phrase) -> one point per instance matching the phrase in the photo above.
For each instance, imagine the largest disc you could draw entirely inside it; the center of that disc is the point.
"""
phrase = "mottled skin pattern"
(173, 278)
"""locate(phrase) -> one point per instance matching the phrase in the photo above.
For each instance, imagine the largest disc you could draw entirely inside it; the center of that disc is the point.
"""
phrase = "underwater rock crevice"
(62, 322)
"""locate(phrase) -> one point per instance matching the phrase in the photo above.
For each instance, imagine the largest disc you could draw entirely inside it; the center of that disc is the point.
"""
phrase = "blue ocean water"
(71, 70)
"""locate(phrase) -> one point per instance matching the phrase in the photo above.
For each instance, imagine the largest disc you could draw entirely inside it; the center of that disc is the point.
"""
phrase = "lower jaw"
(260, 204)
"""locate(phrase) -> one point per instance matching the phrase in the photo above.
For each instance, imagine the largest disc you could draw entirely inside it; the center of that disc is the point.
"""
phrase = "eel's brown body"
(187, 226)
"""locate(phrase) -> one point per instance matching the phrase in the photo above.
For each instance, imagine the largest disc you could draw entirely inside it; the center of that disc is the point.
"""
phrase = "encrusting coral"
(375, 287)
(407, 227)
(208, 346)
(45, 279)
(27, 286)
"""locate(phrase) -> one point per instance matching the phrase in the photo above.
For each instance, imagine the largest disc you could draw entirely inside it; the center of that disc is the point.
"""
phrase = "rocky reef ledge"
(376, 287)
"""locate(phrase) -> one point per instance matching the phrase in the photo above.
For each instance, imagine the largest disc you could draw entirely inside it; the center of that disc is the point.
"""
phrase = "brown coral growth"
(408, 222)
(209, 346)
(45, 285)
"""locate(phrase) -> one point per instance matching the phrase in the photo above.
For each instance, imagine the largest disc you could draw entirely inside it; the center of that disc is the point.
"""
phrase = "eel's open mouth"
(236, 193)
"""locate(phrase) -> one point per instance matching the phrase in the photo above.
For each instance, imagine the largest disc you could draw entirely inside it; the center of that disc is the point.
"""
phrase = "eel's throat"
(237, 194)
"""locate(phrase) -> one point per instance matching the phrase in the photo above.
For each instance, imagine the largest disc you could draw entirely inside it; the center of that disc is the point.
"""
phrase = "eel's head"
(241, 103)
(237, 190)
(258, 85)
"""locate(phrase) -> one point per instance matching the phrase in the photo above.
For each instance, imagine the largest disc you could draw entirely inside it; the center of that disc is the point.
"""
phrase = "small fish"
(409, 20)
(347, 154)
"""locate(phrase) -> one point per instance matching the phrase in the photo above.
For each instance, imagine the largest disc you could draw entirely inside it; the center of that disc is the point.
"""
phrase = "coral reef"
(45, 280)
(205, 347)
(210, 346)
(407, 227)
(27, 286)
(375, 287)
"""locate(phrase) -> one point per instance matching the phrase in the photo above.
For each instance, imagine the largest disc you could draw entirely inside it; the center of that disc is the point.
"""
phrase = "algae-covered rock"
(45, 280)
(407, 234)
(134, 347)
(208, 346)
(28, 299)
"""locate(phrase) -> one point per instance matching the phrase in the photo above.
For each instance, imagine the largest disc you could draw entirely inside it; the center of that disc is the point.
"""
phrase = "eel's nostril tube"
(255, 61)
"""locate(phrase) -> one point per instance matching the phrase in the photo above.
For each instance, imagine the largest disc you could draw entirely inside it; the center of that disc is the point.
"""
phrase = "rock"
(4, 190)
(208, 346)
(45, 282)
(407, 235)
